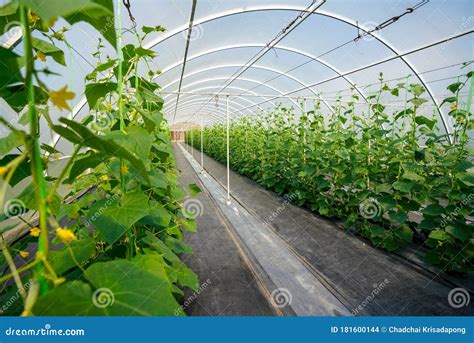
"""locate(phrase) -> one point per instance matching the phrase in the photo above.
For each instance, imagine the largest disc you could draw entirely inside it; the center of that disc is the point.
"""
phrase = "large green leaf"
(136, 291)
(9, 142)
(73, 298)
(134, 139)
(49, 50)
(112, 219)
(106, 146)
(77, 252)
(94, 91)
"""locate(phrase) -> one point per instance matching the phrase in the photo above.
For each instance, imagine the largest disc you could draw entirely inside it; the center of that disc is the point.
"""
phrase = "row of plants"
(114, 248)
(393, 176)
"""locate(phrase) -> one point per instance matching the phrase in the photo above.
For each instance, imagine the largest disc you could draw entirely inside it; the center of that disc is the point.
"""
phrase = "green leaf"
(88, 160)
(178, 246)
(195, 190)
(136, 292)
(158, 216)
(189, 225)
(439, 235)
(21, 172)
(9, 67)
(135, 139)
(409, 175)
(466, 178)
(403, 186)
(94, 91)
(454, 87)
(63, 260)
(49, 50)
(72, 298)
(433, 210)
(108, 147)
(405, 233)
(112, 219)
(421, 120)
(9, 142)
(461, 232)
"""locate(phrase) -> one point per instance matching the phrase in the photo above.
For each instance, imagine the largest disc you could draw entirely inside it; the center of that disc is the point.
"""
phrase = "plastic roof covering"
(228, 33)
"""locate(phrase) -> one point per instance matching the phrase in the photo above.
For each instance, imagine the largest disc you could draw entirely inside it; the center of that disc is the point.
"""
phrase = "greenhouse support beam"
(327, 14)
(388, 60)
(291, 77)
(186, 50)
(308, 11)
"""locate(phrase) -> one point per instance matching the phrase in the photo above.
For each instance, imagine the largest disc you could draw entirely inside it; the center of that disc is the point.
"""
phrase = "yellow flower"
(105, 178)
(454, 107)
(59, 98)
(24, 254)
(41, 56)
(25, 313)
(32, 18)
(35, 232)
(3, 170)
(181, 204)
(65, 235)
(133, 113)
(124, 169)
(108, 106)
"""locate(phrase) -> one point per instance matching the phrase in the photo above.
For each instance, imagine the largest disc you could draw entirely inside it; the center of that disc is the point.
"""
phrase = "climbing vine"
(109, 242)
(395, 178)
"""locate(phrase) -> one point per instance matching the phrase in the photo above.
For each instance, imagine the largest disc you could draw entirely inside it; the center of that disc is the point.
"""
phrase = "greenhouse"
(236, 158)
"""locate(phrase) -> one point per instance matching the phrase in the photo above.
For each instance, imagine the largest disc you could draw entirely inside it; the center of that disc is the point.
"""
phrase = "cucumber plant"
(114, 248)
(394, 178)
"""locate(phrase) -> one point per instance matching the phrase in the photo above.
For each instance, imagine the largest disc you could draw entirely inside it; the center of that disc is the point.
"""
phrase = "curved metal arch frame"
(259, 83)
(284, 48)
(194, 102)
(242, 10)
(297, 80)
(233, 87)
(340, 18)
(216, 114)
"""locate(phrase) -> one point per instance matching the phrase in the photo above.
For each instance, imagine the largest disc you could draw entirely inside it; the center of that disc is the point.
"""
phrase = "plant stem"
(34, 148)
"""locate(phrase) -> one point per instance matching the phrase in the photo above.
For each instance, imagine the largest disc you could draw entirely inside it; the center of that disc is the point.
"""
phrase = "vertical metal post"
(304, 131)
(228, 151)
(202, 145)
